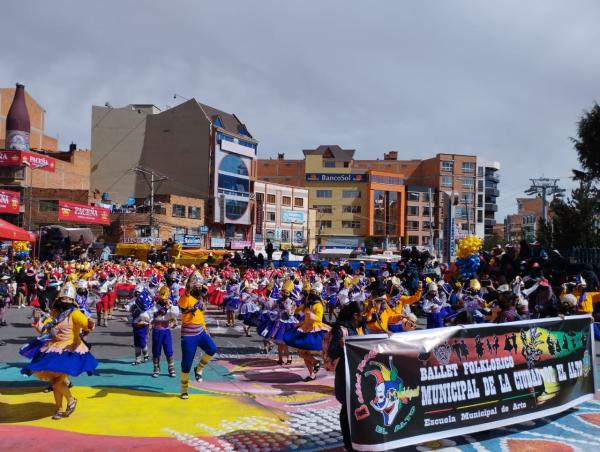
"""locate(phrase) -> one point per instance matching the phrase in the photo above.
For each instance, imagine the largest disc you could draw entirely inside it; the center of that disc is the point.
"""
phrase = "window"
(233, 164)
(413, 239)
(480, 171)
(479, 185)
(271, 216)
(271, 199)
(425, 225)
(178, 210)
(193, 231)
(328, 164)
(412, 211)
(325, 224)
(425, 240)
(142, 230)
(412, 225)
(217, 121)
(460, 212)
(298, 202)
(466, 198)
(179, 230)
(468, 182)
(324, 193)
(479, 200)
(425, 212)
(351, 209)
(285, 236)
(447, 165)
(351, 194)
(351, 224)
(242, 130)
(346, 164)
(468, 167)
(48, 205)
(464, 226)
(235, 209)
(425, 196)
(194, 212)
(479, 216)
(286, 201)
(446, 181)
(413, 196)
(233, 183)
(260, 197)
(323, 209)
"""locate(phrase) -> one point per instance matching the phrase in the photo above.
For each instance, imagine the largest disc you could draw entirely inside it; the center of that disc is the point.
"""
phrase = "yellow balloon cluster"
(20, 246)
(468, 246)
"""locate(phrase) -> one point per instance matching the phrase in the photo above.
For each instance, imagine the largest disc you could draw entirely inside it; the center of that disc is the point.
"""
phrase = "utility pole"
(152, 180)
(544, 186)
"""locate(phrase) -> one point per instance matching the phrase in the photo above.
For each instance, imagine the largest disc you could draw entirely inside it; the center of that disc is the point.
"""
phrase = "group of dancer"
(304, 310)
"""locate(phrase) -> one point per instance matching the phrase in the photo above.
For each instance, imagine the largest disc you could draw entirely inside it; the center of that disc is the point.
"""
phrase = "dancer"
(285, 322)
(140, 322)
(249, 309)
(193, 334)
(162, 316)
(308, 337)
(59, 351)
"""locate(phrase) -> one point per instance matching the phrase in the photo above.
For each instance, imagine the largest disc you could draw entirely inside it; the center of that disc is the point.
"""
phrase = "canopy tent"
(9, 231)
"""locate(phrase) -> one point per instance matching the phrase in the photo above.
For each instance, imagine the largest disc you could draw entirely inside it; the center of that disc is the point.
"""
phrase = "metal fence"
(583, 255)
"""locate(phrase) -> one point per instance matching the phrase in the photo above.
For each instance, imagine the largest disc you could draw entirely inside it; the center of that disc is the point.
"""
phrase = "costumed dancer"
(59, 351)
(232, 301)
(308, 337)
(140, 322)
(435, 307)
(4, 298)
(193, 334)
(331, 296)
(401, 317)
(285, 322)
(83, 298)
(102, 289)
(268, 316)
(162, 316)
(249, 309)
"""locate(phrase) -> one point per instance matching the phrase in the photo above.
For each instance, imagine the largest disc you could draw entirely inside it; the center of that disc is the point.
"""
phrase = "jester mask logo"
(390, 392)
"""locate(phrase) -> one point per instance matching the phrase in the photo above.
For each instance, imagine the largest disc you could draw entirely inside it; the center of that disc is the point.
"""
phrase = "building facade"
(281, 215)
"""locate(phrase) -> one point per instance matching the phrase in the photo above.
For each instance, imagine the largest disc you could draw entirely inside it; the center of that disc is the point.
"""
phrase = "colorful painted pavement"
(245, 403)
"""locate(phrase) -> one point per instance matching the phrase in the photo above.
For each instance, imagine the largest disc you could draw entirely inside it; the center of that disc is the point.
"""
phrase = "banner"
(82, 213)
(10, 201)
(337, 177)
(26, 158)
(426, 385)
(292, 216)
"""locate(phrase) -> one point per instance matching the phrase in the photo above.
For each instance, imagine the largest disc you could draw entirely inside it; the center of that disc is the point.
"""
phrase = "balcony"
(491, 207)
(492, 177)
(490, 222)
(492, 192)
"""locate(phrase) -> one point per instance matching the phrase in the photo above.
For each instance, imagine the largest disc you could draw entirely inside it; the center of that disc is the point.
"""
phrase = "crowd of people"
(307, 310)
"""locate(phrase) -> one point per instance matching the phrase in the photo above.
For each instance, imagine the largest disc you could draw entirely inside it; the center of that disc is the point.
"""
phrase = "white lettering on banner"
(488, 365)
(478, 414)
(455, 391)
(439, 372)
(3, 156)
(440, 421)
(4, 199)
(86, 212)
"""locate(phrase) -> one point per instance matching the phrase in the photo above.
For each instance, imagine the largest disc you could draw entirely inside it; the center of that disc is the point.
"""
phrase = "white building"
(281, 215)
(488, 178)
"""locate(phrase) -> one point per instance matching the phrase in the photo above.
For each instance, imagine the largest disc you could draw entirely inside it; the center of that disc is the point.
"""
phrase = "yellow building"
(353, 204)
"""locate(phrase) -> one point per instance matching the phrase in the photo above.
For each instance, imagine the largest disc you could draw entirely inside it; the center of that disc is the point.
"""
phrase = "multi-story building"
(420, 216)
(487, 194)
(196, 151)
(524, 224)
(117, 142)
(281, 215)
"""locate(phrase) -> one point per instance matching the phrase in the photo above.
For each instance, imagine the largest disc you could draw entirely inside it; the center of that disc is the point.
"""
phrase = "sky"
(506, 81)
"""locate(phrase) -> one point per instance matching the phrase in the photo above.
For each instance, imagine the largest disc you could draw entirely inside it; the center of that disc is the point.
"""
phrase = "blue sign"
(188, 239)
(292, 216)
(333, 177)
(203, 229)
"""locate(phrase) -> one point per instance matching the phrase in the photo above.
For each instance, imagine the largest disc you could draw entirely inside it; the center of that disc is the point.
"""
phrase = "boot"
(99, 318)
(171, 364)
(185, 379)
(200, 367)
(105, 317)
(156, 372)
(145, 354)
(138, 357)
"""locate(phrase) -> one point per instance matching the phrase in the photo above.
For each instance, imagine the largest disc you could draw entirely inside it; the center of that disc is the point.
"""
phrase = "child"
(161, 316)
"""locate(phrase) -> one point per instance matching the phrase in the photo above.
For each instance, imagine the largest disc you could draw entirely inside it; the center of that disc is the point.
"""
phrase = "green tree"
(587, 144)
(491, 240)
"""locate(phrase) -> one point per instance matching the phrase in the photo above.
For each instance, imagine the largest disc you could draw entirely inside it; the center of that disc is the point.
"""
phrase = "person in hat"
(140, 321)
(505, 309)
(62, 352)
(376, 310)
(232, 300)
(4, 297)
(401, 317)
(308, 337)
(286, 320)
(249, 309)
(83, 298)
(435, 306)
(194, 334)
(102, 288)
(162, 315)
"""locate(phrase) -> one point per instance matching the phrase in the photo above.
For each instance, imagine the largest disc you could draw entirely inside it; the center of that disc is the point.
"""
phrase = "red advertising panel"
(26, 158)
(82, 213)
(10, 201)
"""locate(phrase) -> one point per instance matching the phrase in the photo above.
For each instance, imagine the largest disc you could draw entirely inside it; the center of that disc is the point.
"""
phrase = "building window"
(413, 239)
(271, 216)
(425, 197)
(479, 185)
(235, 209)
(285, 236)
(323, 209)
(351, 194)
(143, 230)
(351, 209)
(233, 164)
(351, 224)
(446, 181)
(425, 225)
(412, 196)
(425, 240)
(232, 183)
(466, 198)
(412, 225)
(286, 201)
(179, 230)
(271, 199)
(479, 216)
(260, 197)
(468, 182)
(325, 224)
(448, 165)
(328, 164)
(412, 211)
(324, 193)
(298, 202)
(479, 200)
(426, 211)
(346, 164)
(178, 211)
(217, 122)
(46, 205)
(194, 212)
(468, 167)
(480, 171)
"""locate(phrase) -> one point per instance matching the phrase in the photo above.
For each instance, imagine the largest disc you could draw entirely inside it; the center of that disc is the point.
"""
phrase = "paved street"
(247, 402)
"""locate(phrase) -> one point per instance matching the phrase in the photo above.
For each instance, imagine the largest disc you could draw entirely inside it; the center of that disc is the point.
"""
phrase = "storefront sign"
(292, 216)
(142, 240)
(298, 237)
(26, 158)
(426, 385)
(82, 213)
(260, 215)
(188, 239)
(240, 244)
(10, 201)
(217, 242)
(329, 177)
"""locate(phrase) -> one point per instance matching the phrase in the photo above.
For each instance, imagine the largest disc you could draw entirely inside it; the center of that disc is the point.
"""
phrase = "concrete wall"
(117, 142)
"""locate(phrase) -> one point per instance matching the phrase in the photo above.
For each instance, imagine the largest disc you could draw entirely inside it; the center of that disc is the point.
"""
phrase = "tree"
(369, 244)
(491, 240)
(587, 144)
